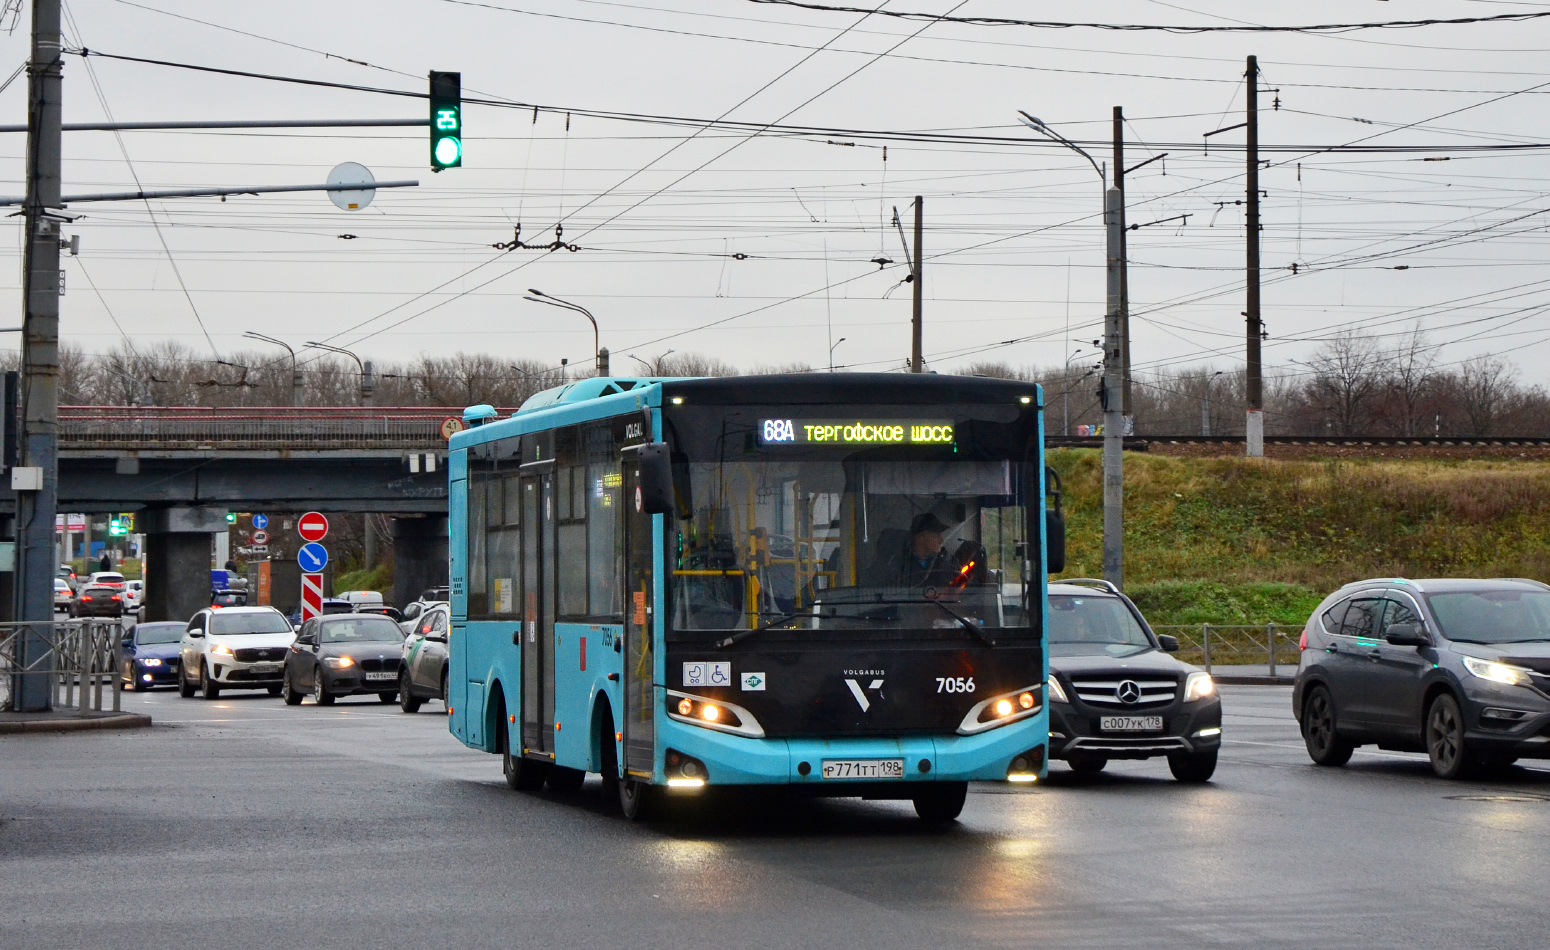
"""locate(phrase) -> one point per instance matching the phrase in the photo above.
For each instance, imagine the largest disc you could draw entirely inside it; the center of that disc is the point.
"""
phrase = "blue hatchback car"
(148, 655)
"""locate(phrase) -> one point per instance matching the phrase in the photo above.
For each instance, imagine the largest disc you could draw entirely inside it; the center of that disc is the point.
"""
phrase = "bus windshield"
(845, 543)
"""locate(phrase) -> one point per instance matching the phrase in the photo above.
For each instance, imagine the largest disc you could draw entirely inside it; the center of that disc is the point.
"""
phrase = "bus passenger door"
(538, 608)
(639, 660)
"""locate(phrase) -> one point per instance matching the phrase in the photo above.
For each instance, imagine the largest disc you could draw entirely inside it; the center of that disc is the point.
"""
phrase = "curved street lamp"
(295, 373)
(600, 355)
(365, 368)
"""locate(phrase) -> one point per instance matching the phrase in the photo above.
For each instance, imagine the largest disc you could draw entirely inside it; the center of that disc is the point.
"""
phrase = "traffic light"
(118, 526)
(231, 517)
(446, 120)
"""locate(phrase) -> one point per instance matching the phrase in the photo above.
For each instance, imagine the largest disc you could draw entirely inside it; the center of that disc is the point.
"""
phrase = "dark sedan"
(97, 600)
(344, 655)
(148, 655)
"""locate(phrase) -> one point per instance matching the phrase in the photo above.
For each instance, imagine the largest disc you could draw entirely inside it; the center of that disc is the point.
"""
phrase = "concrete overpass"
(181, 468)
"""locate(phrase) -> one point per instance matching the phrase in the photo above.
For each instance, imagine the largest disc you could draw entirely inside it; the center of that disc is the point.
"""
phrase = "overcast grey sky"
(1013, 240)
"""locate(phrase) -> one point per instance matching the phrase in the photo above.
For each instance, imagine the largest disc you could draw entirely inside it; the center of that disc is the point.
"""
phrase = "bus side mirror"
(1054, 525)
(1054, 540)
(656, 478)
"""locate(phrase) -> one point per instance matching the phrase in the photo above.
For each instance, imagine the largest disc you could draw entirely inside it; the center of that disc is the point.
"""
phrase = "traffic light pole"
(35, 479)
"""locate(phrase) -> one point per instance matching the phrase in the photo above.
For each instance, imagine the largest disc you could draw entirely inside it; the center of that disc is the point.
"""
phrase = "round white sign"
(352, 173)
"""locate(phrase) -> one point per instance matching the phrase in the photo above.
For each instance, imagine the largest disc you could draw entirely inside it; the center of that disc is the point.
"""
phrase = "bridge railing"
(254, 427)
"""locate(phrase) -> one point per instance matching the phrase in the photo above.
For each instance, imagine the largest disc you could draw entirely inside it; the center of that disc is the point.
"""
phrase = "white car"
(234, 648)
(107, 579)
(62, 594)
(134, 592)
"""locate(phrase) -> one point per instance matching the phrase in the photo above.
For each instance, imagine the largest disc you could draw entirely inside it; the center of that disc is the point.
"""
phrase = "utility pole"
(1254, 423)
(36, 478)
(1124, 269)
(1113, 421)
(916, 364)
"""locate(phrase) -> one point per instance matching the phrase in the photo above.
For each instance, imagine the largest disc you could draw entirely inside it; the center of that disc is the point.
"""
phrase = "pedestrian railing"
(1271, 645)
(75, 658)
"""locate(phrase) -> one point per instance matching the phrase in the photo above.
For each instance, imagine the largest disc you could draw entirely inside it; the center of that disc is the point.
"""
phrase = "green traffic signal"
(446, 120)
(231, 517)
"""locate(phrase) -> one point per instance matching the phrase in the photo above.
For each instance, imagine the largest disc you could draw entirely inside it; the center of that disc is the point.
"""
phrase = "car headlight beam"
(1056, 693)
(221, 649)
(338, 662)
(1495, 672)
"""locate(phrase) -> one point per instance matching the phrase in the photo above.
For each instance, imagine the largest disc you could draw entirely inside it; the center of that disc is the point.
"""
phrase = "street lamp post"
(295, 372)
(1111, 393)
(1205, 405)
(600, 355)
(365, 368)
(831, 352)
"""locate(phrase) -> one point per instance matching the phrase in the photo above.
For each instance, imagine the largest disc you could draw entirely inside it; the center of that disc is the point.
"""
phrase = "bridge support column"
(177, 559)
(419, 556)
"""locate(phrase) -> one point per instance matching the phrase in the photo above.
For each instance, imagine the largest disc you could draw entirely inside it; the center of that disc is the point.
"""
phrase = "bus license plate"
(863, 768)
(1130, 723)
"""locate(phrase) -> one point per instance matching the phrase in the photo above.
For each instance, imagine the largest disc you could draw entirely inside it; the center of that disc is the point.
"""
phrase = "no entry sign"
(312, 526)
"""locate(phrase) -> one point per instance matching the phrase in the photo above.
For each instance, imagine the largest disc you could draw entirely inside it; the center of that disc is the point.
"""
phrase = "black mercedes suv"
(1458, 669)
(1114, 691)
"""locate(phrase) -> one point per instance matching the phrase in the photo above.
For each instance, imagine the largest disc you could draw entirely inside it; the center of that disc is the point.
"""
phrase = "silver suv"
(1458, 669)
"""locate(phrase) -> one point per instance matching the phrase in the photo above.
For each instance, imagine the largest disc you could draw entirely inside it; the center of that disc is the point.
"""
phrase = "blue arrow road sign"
(312, 557)
(260, 522)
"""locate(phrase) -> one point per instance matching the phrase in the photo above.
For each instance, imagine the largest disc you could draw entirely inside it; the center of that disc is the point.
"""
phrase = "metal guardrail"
(1270, 644)
(77, 659)
(254, 427)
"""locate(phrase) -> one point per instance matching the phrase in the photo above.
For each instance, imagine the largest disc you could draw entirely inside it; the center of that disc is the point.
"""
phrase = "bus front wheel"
(638, 800)
(941, 801)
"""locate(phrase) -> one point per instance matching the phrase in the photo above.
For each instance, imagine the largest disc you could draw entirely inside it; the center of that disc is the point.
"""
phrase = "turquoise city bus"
(831, 582)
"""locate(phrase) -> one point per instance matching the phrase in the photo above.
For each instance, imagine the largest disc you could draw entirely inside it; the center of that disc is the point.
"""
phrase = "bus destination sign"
(859, 432)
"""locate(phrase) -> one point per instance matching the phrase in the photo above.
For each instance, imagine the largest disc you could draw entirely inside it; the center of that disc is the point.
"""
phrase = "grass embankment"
(1232, 540)
(379, 578)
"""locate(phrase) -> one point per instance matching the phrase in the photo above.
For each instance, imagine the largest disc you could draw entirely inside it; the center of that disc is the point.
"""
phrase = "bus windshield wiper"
(973, 627)
(742, 635)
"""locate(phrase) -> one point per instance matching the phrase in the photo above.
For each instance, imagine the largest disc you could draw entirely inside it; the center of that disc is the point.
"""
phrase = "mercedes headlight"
(1056, 694)
(338, 662)
(1497, 672)
(1198, 686)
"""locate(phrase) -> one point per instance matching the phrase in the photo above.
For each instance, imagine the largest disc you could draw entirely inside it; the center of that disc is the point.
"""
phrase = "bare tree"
(1409, 390)
(1347, 375)
(1486, 385)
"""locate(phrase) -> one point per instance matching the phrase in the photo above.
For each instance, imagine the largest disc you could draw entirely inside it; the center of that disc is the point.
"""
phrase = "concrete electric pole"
(35, 478)
(1113, 416)
(1124, 270)
(1254, 423)
(917, 363)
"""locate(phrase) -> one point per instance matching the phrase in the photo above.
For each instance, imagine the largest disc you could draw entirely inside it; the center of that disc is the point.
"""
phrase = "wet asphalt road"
(245, 823)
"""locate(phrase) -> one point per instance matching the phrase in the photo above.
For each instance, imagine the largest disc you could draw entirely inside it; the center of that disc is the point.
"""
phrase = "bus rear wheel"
(523, 775)
(941, 801)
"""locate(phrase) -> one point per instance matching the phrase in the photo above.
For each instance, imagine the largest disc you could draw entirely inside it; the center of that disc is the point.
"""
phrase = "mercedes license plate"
(1130, 723)
(863, 768)
(389, 675)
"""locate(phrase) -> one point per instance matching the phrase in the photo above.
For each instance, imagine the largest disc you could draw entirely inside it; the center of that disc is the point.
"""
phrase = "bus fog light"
(1026, 700)
(710, 713)
(1004, 707)
(685, 707)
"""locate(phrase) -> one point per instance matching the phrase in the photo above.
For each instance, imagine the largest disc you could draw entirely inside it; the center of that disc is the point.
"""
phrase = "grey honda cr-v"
(1458, 669)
